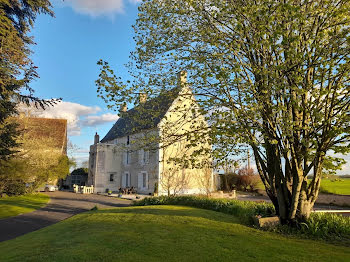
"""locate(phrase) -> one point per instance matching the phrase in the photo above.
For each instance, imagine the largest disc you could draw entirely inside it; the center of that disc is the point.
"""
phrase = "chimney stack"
(97, 139)
(142, 98)
(124, 108)
(182, 78)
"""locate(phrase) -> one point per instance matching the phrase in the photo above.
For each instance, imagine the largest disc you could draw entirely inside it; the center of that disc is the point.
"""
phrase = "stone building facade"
(137, 151)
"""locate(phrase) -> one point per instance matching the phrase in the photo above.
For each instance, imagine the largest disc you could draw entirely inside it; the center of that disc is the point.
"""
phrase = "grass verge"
(15, 205)
(162, 233)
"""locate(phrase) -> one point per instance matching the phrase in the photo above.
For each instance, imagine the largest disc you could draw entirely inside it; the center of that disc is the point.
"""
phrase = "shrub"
(15, 188)
(241, 182)
(325, 226)
(244, 210)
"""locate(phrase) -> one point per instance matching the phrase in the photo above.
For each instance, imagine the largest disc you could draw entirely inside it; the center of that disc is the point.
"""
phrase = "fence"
(83, 189)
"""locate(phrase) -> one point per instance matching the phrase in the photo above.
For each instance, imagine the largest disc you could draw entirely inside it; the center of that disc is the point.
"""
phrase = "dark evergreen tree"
(16, 68)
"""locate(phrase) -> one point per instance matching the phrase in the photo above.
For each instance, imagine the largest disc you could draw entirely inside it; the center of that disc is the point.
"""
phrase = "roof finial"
(182, 78)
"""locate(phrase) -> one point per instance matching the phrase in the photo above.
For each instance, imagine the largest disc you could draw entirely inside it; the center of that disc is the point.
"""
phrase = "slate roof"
(142, 117)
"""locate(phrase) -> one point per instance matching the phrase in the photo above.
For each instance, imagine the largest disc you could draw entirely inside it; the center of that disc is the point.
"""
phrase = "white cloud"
(99, 7)
(98, 120)
(77, 115)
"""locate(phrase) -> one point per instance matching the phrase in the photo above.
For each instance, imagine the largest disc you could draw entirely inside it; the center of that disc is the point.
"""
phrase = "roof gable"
(144, 116)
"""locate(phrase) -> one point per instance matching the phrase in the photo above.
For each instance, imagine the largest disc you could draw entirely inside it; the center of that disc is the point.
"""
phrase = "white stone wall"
(109, 158)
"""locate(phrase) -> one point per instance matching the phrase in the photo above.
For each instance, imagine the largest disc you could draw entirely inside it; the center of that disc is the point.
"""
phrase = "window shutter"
(146, 157)
(147, 179)
(141, 156)
(124, 158)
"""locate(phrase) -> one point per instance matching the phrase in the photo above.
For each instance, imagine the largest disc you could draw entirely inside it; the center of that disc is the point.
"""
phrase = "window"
(111, 177)
(143, 157)
(144, 180)
(115, 141)
(128, 140)
(127, 157)
(126, 179)
(146, 157)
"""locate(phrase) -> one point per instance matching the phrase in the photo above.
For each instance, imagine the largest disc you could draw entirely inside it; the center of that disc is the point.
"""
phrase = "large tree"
(273, 75)
(16, 68)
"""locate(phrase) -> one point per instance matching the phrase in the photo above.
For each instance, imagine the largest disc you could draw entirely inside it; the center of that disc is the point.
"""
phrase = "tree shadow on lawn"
(93, 201)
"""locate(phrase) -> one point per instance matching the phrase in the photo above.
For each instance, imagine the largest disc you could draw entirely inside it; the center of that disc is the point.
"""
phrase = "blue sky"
(66, 51)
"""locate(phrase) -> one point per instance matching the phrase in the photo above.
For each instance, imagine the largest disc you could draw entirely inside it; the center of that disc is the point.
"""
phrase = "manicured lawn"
(339, 187)
(13, 206)
(162, 233)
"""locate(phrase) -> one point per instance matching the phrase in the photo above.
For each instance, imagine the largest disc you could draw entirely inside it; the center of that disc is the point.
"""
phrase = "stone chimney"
(97, 139)
(142, 98)
(182, 78)
(124, 108)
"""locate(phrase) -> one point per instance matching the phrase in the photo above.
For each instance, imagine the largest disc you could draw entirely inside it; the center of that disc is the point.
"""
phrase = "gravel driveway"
(62, 205)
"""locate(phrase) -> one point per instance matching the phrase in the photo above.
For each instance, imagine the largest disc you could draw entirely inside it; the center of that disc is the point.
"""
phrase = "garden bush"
(244, 210)
(325, 226)
(244, 180)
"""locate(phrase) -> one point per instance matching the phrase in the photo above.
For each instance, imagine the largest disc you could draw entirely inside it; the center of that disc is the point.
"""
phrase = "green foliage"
(330, 227)
(95, 208)
(16, 68)
(244, 210)
(240, 182)
(12, 175)
(272, 75)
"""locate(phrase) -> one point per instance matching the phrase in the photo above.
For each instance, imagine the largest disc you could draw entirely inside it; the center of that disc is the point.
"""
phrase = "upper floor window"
(127, 157)
(111, 177)
(143, 156)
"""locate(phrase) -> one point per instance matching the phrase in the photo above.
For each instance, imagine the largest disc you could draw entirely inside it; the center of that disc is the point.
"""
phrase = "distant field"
(340, 186)
(329, 186)
(13, 206)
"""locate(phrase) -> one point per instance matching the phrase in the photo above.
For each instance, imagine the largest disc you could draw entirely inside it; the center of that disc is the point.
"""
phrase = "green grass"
(13, 206)
(162, 233)
(339, 186)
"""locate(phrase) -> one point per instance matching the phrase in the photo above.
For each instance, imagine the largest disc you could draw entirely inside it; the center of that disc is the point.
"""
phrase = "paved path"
(62, 205)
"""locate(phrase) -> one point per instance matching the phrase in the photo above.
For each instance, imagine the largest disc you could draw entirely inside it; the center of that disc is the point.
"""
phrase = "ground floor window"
(142, 180)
